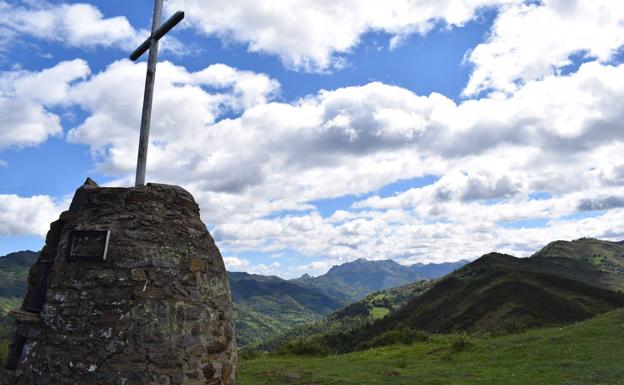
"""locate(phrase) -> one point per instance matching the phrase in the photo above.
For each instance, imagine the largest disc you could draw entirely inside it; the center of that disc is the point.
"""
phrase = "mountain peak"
(355, 279)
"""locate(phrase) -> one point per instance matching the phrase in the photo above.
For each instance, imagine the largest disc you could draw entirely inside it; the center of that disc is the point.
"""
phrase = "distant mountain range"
(562, 283)
(354, 280)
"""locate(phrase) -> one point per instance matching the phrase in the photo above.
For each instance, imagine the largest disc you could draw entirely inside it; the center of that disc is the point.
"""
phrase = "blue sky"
(312, 134)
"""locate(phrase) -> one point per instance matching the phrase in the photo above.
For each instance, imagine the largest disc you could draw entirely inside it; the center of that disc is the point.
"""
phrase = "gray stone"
(157, 310)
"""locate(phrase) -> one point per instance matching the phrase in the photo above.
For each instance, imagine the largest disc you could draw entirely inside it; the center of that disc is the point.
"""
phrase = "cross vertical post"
(151, 44)
(146, 114)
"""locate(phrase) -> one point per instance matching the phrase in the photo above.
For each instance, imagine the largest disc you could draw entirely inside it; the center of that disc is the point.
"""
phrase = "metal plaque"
(91, 245)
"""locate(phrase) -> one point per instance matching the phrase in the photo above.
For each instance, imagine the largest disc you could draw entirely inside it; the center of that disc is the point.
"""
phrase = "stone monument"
(130, 288)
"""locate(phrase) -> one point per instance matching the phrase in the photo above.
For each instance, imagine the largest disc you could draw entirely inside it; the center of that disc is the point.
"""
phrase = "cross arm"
(157, 35)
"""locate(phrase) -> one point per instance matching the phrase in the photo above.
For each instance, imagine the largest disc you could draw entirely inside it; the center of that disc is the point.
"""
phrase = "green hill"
(14, 269)
(607, 257)
(499, 293)
(14, 272)
(584, 353)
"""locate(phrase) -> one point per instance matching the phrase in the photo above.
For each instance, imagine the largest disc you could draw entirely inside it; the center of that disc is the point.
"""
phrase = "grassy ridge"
(605, 256)
(589, 352)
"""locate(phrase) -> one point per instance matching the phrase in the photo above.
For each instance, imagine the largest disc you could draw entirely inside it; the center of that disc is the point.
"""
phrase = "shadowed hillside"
(499, 293)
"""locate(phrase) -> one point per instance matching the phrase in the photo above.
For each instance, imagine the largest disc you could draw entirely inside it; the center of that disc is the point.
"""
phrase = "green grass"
(591, 352)
(8, 303)
(379, 312)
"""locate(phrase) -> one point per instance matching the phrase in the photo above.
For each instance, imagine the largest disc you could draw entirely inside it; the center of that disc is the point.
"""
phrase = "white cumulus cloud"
(311, 35)
(532, 40)
(236, 264)
(26, 98)
(28, 215)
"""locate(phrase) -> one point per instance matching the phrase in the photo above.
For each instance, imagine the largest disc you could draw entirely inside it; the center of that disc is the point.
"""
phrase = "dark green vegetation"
(496, 294)
(589, 352)
(353, 280)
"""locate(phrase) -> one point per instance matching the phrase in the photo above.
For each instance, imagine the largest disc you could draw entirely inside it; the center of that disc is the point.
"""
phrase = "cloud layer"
(258, 167)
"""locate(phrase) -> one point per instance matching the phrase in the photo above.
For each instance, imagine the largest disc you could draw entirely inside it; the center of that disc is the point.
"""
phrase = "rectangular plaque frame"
(88, 245)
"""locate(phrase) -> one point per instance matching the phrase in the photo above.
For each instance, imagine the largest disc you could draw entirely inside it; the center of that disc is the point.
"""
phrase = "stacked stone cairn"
(152, 306)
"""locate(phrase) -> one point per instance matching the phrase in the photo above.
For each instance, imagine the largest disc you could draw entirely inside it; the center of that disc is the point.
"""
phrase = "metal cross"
(151, 43)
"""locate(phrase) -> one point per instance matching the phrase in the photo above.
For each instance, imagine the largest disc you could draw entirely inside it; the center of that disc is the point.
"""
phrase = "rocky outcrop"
(156, 310)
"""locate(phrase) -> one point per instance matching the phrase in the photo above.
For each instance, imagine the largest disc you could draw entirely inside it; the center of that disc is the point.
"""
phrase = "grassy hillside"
(498, 294)
(607, 257)
(14, 272)
(585, 353)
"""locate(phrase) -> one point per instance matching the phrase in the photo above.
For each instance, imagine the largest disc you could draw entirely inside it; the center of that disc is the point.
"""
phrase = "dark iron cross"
(151, 44)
